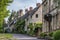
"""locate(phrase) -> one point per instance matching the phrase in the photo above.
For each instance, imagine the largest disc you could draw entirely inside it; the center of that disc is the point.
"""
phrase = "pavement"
(24, 37)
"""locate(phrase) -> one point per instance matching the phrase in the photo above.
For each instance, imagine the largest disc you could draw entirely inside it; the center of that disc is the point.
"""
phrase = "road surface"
(24, 37)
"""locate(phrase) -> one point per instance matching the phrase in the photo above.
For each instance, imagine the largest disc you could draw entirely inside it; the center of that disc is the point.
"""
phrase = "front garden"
(19, 27)
(51, 36)
(34, 29)
(6, 36)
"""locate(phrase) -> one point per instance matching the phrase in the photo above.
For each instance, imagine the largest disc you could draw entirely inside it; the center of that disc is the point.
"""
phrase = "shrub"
(56, 35)
(31, 31)
(43, 35)
(51, 34)
(32, 28)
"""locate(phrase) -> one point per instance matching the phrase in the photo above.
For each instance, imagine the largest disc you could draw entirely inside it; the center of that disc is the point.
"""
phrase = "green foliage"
(20, 23)
(32, 28)
(38, 25)
(51, 34)
(3, 10)
(22, 31)
(20, 26)
(56, 35)
(42, 35)
(31, 31)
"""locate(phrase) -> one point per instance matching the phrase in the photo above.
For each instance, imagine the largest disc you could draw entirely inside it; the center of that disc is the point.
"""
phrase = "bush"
(22, 32)
(42, 35)
(56, 35)
(31, 32)
(32, 28)
(51, 34)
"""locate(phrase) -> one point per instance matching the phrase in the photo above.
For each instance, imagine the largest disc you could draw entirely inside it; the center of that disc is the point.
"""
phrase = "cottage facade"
(51, 7)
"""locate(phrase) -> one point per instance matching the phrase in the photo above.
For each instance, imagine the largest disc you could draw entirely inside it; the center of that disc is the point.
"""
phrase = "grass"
(5, 35)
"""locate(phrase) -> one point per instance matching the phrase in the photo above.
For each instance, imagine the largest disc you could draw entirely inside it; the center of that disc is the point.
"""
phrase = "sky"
(22, 4)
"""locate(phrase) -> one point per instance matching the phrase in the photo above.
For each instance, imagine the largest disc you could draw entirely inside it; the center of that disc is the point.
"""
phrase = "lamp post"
(48, 18)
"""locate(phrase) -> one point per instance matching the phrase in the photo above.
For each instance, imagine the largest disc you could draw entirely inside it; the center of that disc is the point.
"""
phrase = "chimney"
(38, 4)
(31, 8)
(21, 10)
(26, 10)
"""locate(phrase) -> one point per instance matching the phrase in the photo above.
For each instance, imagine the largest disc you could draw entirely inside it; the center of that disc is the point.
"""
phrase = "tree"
(3, 10)
(20, 26)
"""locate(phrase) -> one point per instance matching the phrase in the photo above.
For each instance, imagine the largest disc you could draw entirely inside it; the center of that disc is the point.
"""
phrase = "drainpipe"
(49, 6)
(49, 21)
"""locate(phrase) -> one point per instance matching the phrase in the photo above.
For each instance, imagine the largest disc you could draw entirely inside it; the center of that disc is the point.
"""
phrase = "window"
(31, 16)
(36, 15)
(27, 19)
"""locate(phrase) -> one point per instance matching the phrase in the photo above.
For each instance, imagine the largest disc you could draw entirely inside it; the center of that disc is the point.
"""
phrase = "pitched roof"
(29, 13)
(24, 16)
(34, 10)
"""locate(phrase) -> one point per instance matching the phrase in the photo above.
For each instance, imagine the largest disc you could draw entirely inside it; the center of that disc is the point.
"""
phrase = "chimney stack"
(38, 4)
(31, 8)
(26, 10)
(21, 11)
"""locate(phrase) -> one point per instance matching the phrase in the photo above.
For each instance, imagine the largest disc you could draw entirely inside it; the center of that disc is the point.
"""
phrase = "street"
(24, 37)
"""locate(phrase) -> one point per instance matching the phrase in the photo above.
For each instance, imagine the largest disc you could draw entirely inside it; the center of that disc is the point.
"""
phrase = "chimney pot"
(31, 8)
(26, 10)
(38, 4)
(21, 10)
